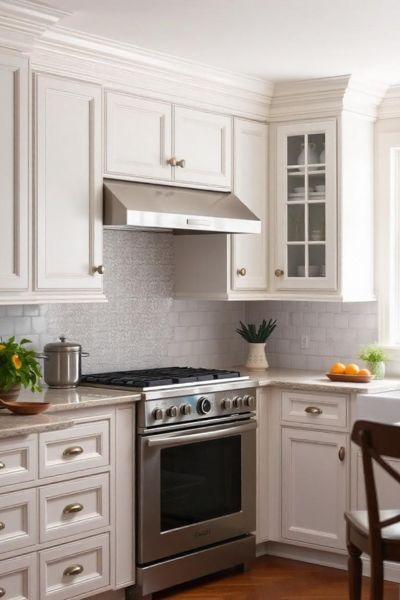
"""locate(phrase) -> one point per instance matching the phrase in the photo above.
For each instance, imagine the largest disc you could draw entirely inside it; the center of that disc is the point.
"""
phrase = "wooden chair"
(374, 532)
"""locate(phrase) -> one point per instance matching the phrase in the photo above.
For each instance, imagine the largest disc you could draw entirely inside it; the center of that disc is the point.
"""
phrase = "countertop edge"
(16, 426)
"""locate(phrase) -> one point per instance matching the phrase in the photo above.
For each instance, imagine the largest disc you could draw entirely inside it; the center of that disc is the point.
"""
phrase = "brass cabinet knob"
(172, 161)
(242, 272)
(73, 508)
(342, 453)
(73, 570)
(2, 592)
(73, 451)
(2, 525)
(279, 272)
(2, 466)
(176, 163)
(100, 269)
(313, 410)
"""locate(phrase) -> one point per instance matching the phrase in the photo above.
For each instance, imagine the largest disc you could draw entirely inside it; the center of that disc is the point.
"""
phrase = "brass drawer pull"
(2, 466)
(342, 453)
(73, 451)
(73, 570)
(73, 508)
(313, 410)
(2, 592)
(2, 525)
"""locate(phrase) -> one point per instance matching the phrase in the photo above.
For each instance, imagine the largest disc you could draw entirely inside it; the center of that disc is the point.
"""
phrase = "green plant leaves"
(29, 373)
(250, 333)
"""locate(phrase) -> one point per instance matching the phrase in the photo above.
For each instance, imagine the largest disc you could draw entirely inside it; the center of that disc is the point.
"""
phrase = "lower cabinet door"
(314, 487)
(18, 520)
(73, 569)
(19, 578)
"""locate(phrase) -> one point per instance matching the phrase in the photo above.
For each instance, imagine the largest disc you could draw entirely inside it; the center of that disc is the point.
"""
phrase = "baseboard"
(323, 558)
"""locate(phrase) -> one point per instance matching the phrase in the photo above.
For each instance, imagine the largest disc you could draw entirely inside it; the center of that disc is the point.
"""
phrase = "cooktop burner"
(157, 377)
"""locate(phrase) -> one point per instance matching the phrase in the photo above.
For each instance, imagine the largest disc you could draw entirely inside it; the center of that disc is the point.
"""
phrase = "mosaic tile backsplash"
(143, 326)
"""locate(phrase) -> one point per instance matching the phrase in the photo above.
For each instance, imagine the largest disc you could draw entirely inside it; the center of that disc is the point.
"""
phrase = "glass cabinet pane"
(296, 222)
(316, 185)
(296, 186)
(295, 150)
(316, 222)
(296, 260)
(316, 149)
(316, 256)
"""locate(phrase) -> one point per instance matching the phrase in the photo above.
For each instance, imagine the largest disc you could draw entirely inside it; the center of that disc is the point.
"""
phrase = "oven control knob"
(172, 411)
(157, 414)
(226, 404)
(237, 402)
(186, 409)
(249, 401)
(203, 406)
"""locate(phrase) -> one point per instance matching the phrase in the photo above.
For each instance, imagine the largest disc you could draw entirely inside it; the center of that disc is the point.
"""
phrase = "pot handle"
(84, 354)
(43, 356)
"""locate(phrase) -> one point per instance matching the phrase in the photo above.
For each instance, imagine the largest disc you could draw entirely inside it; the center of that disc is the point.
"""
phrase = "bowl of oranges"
(351, 372)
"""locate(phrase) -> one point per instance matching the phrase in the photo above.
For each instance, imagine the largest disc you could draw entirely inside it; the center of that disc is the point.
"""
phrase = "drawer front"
(73, 569)
(315, 409)
(19, 578)
(18, 520)
(82, 447)
(73, 507)
(18, 460)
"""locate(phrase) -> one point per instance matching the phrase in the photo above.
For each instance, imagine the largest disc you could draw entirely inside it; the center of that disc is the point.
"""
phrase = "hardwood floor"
(273, 578)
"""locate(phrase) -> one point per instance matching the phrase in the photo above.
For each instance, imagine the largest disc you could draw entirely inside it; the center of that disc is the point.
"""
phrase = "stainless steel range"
(196, 459)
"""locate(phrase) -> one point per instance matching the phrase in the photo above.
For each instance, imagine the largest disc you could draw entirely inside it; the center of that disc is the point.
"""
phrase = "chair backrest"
(377, 440)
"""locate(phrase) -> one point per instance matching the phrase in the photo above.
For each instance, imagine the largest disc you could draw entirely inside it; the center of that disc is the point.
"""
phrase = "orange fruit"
(352, 369)
(364, 372)
(337, 368)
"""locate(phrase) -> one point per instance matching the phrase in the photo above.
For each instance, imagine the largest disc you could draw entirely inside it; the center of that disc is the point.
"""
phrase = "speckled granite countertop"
(315, 381)
(12, 425)
(80, 397)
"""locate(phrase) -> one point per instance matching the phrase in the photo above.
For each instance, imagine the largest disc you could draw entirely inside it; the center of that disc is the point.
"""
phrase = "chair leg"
(376, 579)
(355, 571)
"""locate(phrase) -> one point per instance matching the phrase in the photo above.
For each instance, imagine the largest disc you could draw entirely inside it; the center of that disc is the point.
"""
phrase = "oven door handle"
(165, 440)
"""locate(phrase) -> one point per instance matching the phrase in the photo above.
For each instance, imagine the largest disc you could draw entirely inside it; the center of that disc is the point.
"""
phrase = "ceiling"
(273, 39)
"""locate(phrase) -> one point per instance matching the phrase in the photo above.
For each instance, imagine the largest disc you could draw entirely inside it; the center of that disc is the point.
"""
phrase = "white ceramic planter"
(256, 359)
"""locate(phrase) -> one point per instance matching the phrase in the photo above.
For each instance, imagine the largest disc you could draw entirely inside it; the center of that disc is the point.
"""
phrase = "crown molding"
(328, 96)
(125, 65)
(390, 106)
(22, 22)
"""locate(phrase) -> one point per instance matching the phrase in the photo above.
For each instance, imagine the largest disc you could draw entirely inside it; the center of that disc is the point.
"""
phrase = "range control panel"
(168, 411)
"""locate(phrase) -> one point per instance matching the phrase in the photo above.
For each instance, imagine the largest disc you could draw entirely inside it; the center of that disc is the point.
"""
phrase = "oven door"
(196, 487)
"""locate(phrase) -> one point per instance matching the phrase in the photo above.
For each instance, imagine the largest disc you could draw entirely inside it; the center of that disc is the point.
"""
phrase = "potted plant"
(375, 358)
(257, 338)
(18, 367)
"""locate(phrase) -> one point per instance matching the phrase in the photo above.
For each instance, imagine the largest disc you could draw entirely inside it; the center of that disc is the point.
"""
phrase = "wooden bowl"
(350, 378)
(25, 408)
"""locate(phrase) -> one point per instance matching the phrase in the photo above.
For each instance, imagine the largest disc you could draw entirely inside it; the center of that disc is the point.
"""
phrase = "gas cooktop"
(153, 378)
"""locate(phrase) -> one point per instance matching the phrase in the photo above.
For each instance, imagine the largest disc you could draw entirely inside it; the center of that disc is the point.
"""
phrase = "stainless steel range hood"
(162, 207)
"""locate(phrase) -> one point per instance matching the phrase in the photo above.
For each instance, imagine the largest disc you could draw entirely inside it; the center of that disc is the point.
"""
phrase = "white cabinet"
(306, 207)
(19, 578)
(224, 267)
(249, 252)
(150, 139)
(314, 487)
(68, 184)
(138, 140)
(203, 141)
(14, 208)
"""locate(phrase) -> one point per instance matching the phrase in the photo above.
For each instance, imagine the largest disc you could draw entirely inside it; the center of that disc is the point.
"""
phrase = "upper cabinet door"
(14, 220)
(203, 148)
(306, 207)
(249, 252)
(68, 185)
(138, 137)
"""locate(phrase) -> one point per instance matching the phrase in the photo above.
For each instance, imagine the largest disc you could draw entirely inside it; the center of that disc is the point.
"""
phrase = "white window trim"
(387, 219)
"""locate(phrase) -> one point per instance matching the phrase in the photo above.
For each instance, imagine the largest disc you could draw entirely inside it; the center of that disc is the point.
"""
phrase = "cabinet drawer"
(73, 507)
(19, 578)
(82, 447)
(74, 569)
(18, 460)
(18, 519)
(315, 409)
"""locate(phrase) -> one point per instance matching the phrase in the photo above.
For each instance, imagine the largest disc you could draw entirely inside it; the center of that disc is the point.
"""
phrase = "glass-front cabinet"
(306, 207)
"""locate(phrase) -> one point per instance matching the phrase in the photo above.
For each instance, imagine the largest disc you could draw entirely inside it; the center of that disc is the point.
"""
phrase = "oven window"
(200, 482)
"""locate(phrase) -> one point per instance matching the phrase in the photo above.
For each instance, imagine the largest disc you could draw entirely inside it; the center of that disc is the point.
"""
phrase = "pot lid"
(63, 346)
